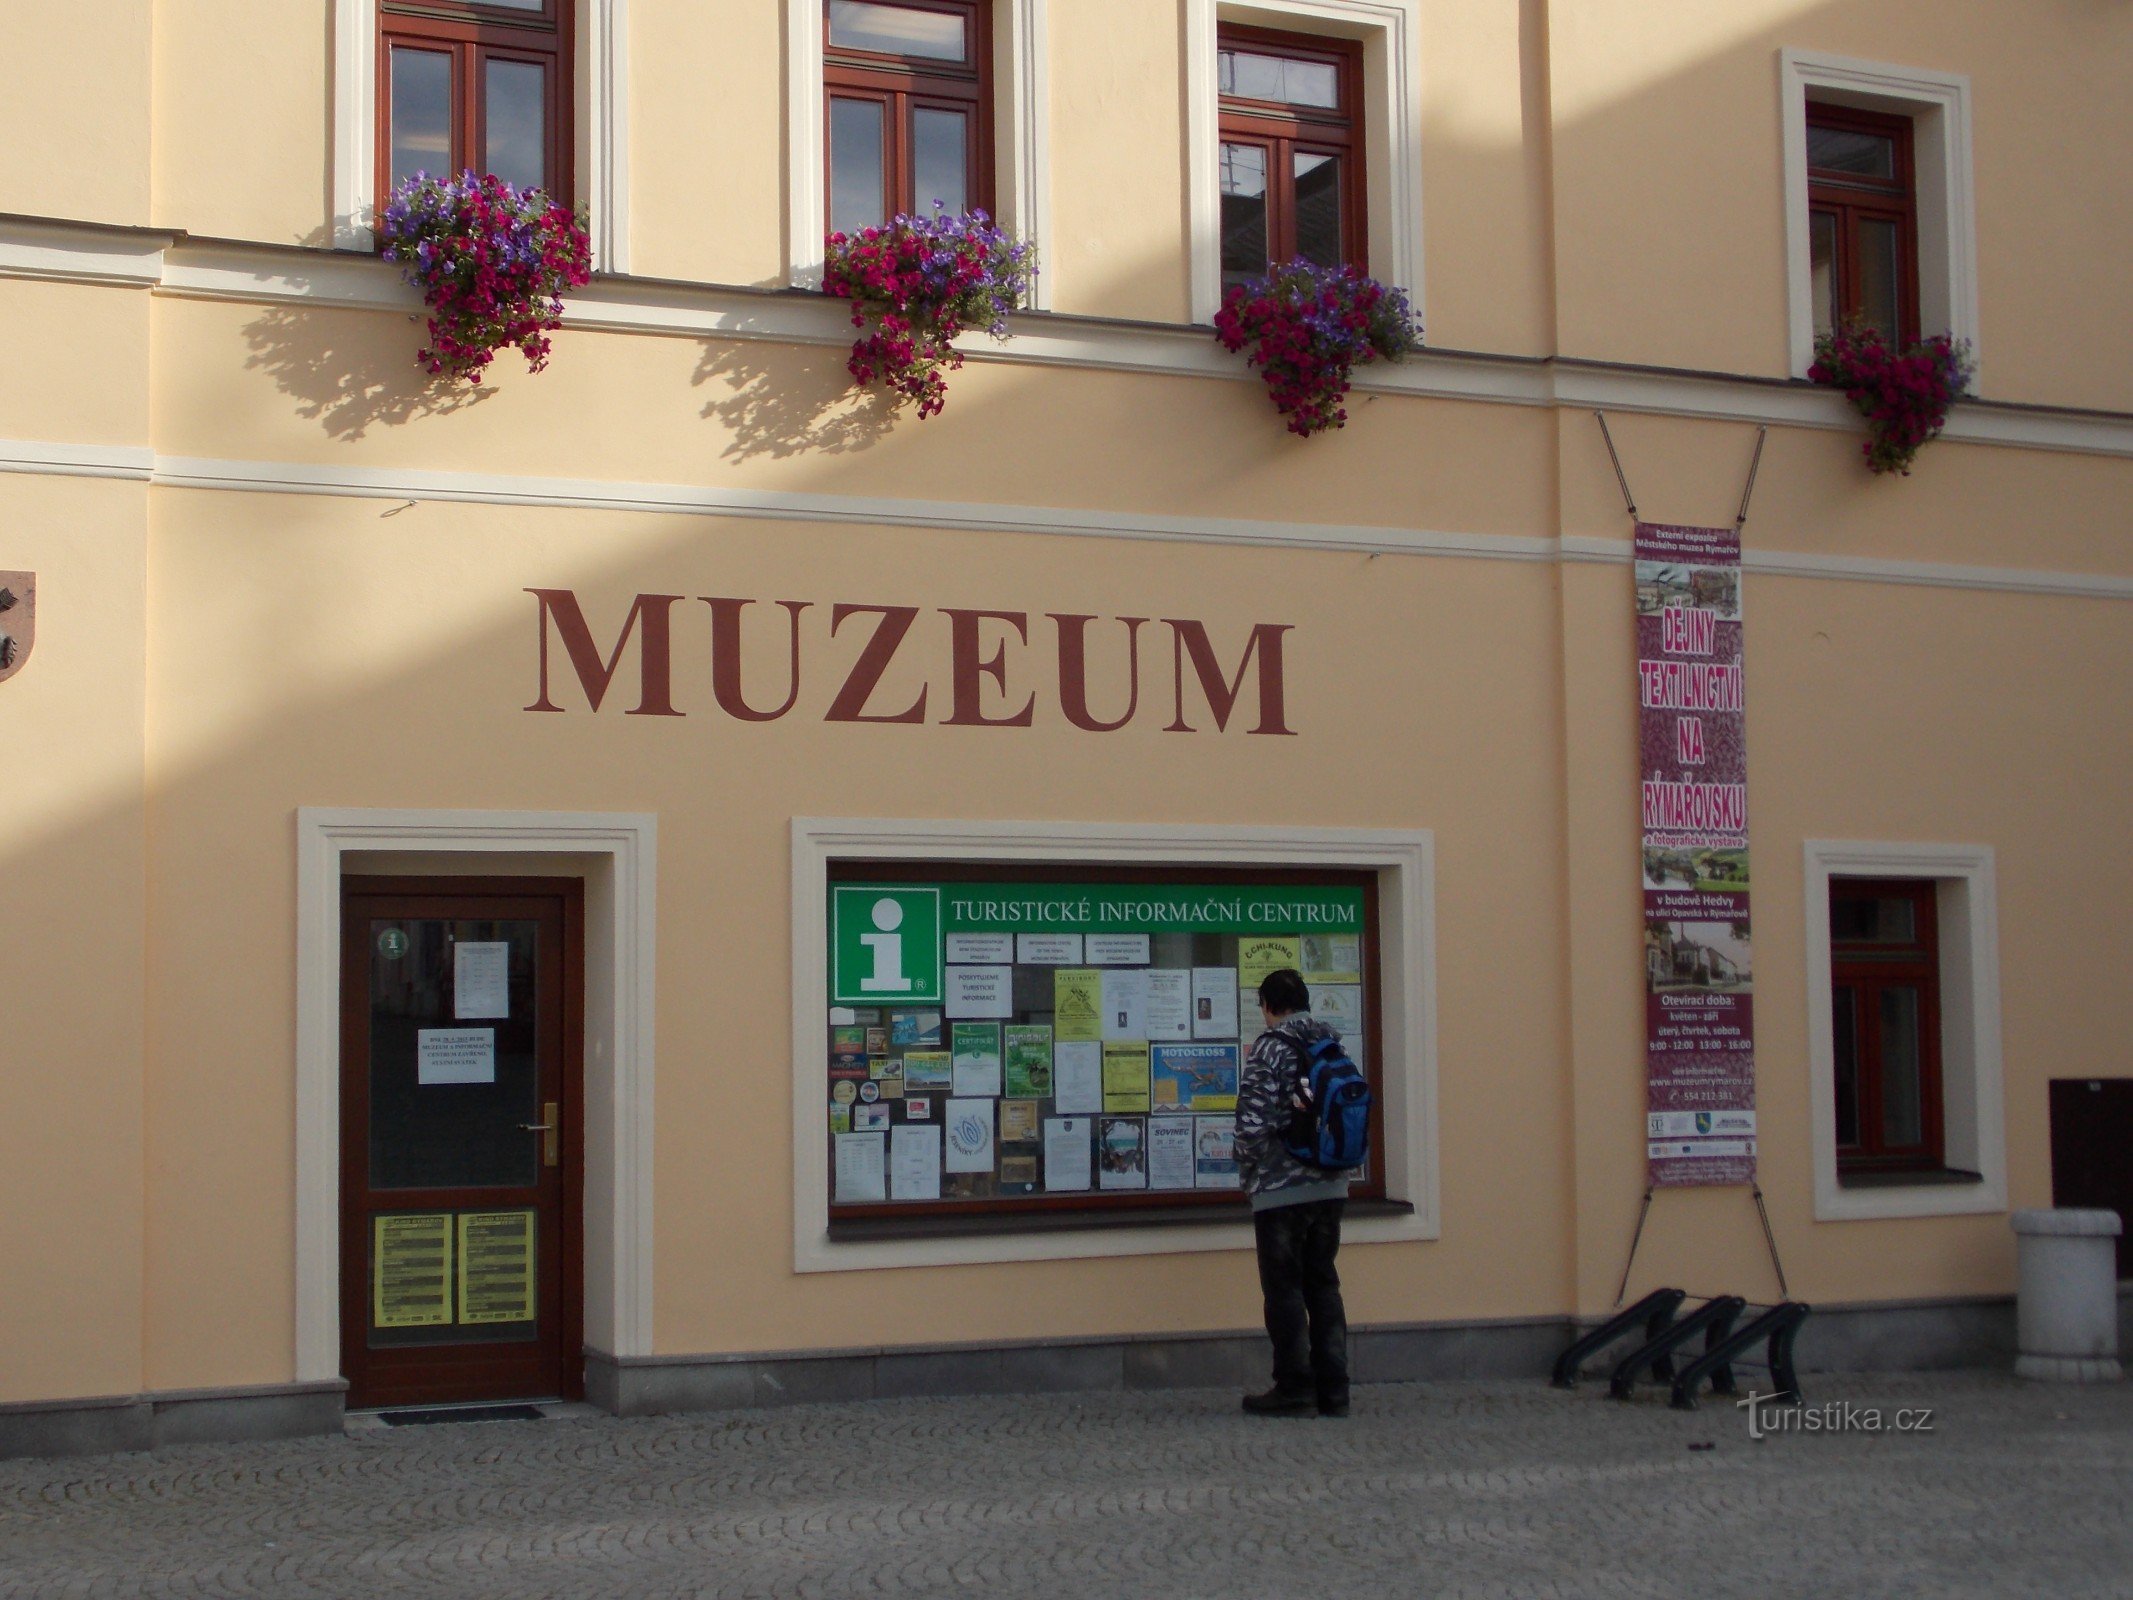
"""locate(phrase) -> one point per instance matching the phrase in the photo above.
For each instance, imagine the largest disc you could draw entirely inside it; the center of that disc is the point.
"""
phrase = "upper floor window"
(908, 102)
(1884, 961)
(483, 86)
(1862, 221)
(1291, 150)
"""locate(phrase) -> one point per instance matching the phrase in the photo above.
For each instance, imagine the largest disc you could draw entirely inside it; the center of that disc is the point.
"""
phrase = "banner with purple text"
(1699, 1003)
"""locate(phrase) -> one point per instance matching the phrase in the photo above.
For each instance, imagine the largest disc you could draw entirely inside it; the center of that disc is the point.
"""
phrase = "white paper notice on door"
(481, 979)
(455, 1055)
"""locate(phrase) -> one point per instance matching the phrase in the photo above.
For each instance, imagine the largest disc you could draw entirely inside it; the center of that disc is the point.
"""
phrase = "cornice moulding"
(172, 264)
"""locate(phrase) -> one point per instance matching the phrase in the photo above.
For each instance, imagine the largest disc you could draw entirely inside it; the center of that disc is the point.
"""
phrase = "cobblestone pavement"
(1446, 1489)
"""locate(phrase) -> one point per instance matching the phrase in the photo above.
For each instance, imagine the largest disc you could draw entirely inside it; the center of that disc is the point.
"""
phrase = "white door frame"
(619, 966)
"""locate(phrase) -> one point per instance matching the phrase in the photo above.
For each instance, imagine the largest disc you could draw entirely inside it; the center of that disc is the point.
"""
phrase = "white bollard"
(2066, 1313)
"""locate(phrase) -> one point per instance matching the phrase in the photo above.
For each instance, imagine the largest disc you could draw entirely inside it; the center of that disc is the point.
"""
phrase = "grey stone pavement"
(1442, 1489)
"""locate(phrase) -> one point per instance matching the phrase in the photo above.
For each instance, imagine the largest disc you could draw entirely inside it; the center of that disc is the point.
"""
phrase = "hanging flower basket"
(1904, 398)
(1308, 328)
(492, 261)
(914, 285)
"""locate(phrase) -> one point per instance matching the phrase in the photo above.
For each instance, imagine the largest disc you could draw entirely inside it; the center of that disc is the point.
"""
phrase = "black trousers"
(1304, 1314)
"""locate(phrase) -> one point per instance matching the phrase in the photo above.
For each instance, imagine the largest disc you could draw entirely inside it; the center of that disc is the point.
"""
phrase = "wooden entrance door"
(461, 1139)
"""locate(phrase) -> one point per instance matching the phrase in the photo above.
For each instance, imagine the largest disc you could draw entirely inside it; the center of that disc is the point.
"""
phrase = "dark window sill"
(992, 1224)
(1905, 1178)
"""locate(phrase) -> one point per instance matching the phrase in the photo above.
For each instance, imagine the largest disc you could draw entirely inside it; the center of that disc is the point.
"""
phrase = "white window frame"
(1404, 861)
(1974, 1118)
(1021, 98)
(600, 56)
(1937, 105)
(1390, 31)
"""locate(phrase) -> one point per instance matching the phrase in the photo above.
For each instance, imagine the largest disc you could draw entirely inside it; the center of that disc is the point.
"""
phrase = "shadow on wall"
(795, 407)
(350, 386)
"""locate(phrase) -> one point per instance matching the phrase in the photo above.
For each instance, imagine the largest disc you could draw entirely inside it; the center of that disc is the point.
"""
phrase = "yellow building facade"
(301, 613)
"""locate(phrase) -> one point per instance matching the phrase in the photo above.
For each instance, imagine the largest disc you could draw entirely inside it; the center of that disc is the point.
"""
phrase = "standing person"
(1296, 1215)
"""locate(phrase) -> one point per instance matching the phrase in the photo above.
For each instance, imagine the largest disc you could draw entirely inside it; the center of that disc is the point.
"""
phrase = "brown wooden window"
(1862, 219)
(908, 108)
(1085, 1025)
(1884, 946)
(1290, 149)
(481, 86)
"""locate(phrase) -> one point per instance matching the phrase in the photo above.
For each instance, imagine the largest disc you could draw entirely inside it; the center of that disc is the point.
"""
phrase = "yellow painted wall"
(1599, 181)
(73, 952)
(74, 120)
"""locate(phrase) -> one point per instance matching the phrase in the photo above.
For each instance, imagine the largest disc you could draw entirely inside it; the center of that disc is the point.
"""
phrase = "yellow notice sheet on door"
(496, 1280)
(411, 1270)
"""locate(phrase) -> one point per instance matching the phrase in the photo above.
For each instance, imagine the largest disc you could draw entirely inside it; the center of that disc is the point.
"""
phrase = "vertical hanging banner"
(1698, 979)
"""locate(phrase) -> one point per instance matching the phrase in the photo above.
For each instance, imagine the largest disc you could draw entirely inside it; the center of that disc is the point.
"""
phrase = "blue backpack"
(1332, 1129)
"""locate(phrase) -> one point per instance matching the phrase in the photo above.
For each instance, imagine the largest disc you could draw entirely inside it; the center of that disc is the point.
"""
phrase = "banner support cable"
(1770, 1238)
(1621, 478)
(1754, 463)
(1635, 1239)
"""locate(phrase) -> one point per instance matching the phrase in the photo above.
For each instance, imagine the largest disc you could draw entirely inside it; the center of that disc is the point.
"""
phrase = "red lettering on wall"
(1074, 670)
(655, 654)
(850, 704)
(726, 657)
(1190, 638)
(966, 668)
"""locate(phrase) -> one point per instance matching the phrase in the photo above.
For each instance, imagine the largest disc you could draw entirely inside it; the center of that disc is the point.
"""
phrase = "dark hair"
(1282, 991)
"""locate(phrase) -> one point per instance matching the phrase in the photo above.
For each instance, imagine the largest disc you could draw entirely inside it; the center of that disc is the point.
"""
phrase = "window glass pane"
(1879, 265)
(1318, 208)
(1902, 1093)
(1844, 1013)
(939, 160)
(514, 109)
(1869, 155)
(897, 30)
(1822, 258)
(999, 1040)
(449, 1102)
(1244, 236)
(421, 113)
(1875, 919)
(856, 199)
(1252, 76)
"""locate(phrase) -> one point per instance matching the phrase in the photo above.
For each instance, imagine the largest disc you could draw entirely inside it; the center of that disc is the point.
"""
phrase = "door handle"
(551, 1145)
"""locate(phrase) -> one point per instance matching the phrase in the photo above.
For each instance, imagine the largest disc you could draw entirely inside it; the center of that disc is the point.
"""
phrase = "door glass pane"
(1244, 220)
(1902, 1093)
(1868, 155)
(1822, 259)
(1318, 208)
(1878, 269)
(1844, 1013)
(897, 30)
(421, 113)
(514, 109)
(1252, 76)
(856, 199)
(453, 1084)
(939, 160)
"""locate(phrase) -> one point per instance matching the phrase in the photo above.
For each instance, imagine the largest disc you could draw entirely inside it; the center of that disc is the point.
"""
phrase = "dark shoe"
(1278, 1402)
(1332, 1407)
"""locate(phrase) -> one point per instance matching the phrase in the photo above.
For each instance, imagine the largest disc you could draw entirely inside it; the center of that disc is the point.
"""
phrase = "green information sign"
(1149, 908)
(885, 945)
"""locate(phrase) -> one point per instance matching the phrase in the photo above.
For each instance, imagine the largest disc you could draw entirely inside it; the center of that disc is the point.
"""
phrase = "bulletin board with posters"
(1029, 1040)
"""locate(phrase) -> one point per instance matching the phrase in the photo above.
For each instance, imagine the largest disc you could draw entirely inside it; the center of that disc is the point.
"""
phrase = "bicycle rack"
(1779, 1325)
(1713, 1319)
(1655, 1311)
